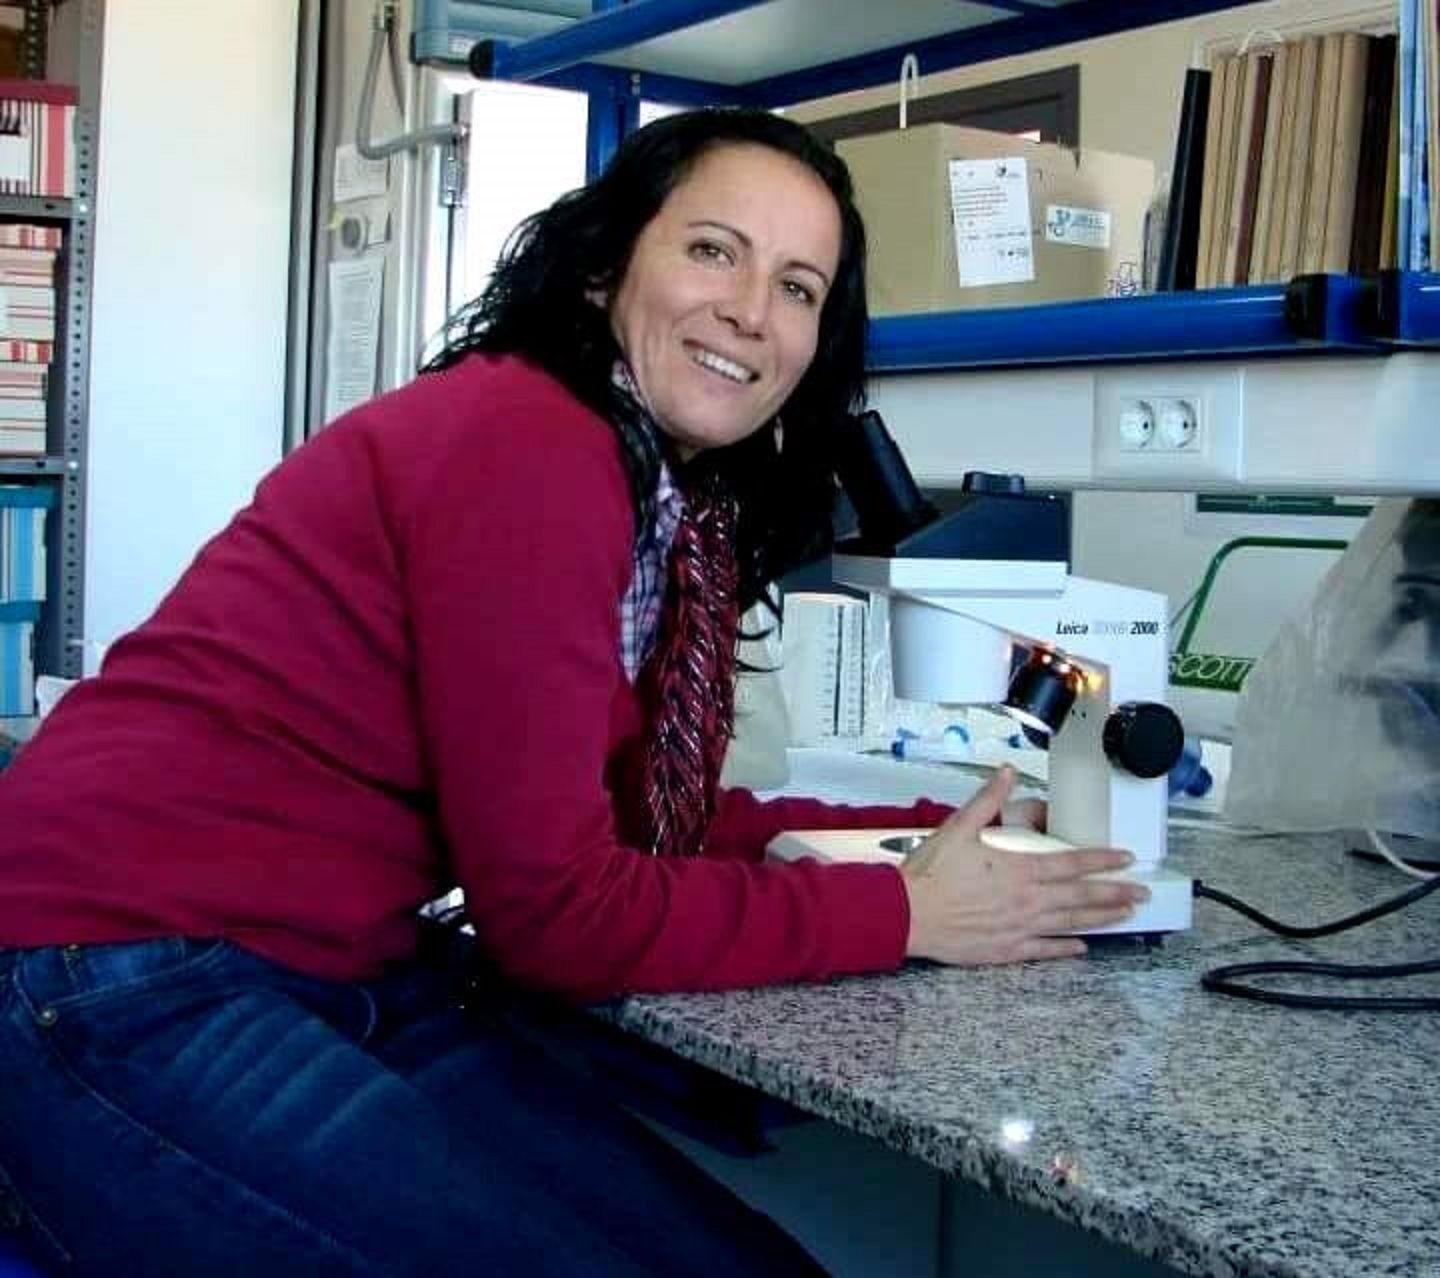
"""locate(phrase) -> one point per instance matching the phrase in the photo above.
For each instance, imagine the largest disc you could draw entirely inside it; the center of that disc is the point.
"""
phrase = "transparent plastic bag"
(756, 757)
(1338, 725)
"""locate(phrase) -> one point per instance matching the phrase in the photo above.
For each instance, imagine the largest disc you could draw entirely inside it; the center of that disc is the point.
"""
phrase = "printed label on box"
(1085, 228)
(990, 207)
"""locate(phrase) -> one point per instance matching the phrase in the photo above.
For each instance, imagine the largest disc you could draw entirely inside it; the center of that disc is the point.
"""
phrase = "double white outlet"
(1165, 425)
(1176, 424)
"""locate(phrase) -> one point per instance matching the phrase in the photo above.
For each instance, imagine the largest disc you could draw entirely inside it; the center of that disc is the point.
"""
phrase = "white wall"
(192, 224)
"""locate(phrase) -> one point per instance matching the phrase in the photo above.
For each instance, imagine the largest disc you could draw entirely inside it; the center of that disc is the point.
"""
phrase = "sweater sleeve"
(743, 824)
(514, 563)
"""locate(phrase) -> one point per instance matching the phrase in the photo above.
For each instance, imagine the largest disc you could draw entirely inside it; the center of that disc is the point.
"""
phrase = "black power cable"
(1229, 979)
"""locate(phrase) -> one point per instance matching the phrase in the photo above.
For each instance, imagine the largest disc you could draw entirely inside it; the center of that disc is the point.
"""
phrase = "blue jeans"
(176, 1107)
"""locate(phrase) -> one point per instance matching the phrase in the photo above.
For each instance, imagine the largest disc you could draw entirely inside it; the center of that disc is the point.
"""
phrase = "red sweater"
(398, 670)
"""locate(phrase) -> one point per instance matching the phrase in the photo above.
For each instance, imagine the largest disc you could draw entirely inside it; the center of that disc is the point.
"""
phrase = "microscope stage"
(1168, 909)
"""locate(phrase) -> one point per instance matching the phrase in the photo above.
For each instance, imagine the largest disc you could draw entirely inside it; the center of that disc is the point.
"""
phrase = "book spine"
(28, 236)
(50, 91)
(1265, 223)
(1322, 155)
(26, 352)
(1182, 227)
(1217, 161)
(1301, 142)
(1249, 159)
(1349, 115)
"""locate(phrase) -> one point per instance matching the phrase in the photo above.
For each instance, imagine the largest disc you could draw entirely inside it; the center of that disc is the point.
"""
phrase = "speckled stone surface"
(1216, 1135)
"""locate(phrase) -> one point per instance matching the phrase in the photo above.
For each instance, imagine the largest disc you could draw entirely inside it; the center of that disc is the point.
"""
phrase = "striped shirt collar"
(641, 607)
(644, 599)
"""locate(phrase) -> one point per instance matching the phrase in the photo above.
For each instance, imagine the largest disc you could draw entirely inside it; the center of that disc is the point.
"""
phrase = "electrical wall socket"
(1213, 399)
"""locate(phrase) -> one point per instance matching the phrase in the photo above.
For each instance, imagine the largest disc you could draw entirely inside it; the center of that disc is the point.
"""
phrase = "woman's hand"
(973, 904)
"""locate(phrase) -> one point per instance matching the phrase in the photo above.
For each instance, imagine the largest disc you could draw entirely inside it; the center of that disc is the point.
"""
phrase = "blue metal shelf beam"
(1407, 308)
(1033, 30)
(1258, 320)
(1034, 26)
(607, 32)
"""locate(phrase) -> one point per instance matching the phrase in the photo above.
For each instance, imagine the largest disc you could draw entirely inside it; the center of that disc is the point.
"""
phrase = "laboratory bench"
(1111, 1100)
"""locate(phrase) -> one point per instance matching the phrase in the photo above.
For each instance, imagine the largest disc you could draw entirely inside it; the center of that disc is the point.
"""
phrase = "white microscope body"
(953, 623)
(964, 588)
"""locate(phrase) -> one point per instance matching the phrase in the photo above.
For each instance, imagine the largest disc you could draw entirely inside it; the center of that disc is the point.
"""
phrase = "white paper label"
(990, 206)
(1085, 228)
(357, 286)
(357, 178)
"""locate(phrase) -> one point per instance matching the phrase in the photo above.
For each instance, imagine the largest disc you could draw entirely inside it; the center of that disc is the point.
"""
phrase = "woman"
(479, 632)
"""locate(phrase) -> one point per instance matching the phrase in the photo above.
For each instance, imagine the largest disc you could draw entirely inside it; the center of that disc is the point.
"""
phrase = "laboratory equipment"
(966, 588)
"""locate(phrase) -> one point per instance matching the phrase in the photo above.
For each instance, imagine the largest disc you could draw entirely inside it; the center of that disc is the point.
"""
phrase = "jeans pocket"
(59, 978)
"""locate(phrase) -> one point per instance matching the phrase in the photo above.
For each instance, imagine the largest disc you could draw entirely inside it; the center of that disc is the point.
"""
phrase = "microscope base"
(1169, 909)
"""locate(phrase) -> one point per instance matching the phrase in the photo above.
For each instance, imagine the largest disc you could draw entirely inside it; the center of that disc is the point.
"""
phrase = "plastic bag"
(1338, 725)
(756, 757)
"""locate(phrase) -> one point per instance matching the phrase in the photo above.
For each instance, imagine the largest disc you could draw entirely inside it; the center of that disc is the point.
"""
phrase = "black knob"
(1143, 737)
(987, 481)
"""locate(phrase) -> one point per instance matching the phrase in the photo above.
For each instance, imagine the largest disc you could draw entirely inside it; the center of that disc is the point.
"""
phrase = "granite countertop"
(1214, 1134)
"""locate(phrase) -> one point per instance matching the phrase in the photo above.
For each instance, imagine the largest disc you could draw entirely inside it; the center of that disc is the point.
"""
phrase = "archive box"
(959, 217)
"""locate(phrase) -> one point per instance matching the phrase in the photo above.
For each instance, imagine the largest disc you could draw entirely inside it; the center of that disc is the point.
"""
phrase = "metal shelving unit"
(58, 646)
(1313, 314)
(776, 52)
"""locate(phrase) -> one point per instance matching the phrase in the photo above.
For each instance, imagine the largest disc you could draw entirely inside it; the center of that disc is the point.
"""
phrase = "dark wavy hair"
(539, 305)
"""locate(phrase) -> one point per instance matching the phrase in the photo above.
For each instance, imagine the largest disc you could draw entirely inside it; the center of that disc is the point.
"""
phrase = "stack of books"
(27, 333)
(1313, 155)
(1300, 161)
(37, 138)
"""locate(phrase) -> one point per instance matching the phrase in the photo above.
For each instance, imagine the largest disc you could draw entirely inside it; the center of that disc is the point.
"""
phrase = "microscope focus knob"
(1144, 738)
(987, 481)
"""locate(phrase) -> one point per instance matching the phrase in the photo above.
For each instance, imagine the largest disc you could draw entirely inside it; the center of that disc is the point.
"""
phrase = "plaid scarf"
(689, 683)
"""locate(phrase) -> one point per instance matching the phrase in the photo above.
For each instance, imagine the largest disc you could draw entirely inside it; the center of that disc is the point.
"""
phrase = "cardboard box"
(960, 218)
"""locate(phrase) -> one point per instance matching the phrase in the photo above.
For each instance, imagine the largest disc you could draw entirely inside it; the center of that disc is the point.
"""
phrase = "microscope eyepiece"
(887, 501)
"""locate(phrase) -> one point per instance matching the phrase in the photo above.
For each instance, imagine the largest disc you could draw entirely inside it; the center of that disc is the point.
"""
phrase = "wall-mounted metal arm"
(453, 137)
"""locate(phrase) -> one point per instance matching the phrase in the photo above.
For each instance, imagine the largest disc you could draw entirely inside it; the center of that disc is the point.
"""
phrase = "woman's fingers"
(1083, 903)
(1083, 918)
(963, 826)
(967, 822)
(1049, 947)
(1076, 863)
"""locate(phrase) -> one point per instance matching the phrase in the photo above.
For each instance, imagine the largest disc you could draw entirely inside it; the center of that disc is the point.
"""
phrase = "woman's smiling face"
(718, 312)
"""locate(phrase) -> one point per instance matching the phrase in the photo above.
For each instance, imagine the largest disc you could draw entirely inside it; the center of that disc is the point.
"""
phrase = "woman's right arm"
(513, 532)
(514, 535)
